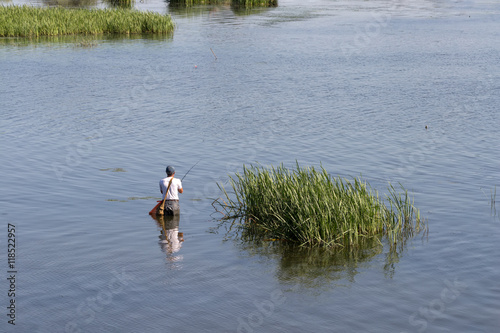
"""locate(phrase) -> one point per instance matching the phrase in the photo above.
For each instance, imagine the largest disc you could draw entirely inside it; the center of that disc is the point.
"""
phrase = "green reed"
(308, 206)
(27, 21)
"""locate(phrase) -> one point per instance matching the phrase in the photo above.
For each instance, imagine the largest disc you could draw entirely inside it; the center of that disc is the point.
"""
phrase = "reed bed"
(27, 21)
(308, 206)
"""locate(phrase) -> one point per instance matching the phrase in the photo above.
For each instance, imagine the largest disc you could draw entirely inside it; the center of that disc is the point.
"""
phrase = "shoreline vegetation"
(307, 206)
(28, 21)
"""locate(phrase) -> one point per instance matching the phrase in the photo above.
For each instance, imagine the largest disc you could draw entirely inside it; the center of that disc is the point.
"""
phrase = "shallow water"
(87, 132)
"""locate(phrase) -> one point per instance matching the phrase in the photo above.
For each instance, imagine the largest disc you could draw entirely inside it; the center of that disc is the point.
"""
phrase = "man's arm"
(180, 188)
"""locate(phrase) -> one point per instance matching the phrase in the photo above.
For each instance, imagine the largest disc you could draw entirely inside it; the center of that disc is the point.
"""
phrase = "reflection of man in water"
(170, 238)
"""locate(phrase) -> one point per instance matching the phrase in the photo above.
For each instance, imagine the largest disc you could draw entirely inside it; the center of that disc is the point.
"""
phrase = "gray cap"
(170, 170)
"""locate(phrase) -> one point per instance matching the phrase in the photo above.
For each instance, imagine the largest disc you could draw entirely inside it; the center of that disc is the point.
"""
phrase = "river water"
(399, 91)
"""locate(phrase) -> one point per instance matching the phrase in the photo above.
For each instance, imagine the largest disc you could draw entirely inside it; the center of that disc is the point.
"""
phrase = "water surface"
(87, 133)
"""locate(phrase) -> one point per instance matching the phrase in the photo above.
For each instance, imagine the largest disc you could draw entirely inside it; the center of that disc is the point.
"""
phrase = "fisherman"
(172, 200)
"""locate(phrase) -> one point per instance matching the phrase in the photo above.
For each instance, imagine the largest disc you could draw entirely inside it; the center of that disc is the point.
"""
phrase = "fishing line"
(190, 169)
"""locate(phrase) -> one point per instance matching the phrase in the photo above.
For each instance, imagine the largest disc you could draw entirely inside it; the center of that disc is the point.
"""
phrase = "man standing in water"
(172, 200)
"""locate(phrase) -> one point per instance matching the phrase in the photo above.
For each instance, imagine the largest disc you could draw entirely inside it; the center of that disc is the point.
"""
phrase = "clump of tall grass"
(27, 21)
(308, 206)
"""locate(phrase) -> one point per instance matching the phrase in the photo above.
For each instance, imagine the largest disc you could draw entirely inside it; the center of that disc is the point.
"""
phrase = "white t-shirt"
(173, 192)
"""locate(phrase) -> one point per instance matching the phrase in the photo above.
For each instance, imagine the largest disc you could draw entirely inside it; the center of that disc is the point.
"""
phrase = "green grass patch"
(309, 207)
(27, 21)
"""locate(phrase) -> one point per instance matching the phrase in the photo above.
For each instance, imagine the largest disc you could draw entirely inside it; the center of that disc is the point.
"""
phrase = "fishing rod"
(190, 169)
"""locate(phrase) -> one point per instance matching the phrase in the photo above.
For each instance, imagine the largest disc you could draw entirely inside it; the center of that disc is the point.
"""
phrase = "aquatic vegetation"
(308, 206)
(27, 21)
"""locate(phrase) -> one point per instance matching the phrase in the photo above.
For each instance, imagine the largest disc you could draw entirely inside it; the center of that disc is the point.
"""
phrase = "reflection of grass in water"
(245, 3)
(86, 43)
(309, 207)
(320, 267)
(26, 21)
(190, 8)
(120, 3)
(71, 3)
(189, 3)
(75, 41)
(235, 4)
(255, 3)
(243, 8)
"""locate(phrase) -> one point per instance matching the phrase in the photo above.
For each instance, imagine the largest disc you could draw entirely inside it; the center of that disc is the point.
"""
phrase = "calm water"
(87, 133)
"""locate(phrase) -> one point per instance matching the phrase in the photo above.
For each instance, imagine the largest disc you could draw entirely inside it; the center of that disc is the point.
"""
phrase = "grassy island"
(27, 21)
(310, 207)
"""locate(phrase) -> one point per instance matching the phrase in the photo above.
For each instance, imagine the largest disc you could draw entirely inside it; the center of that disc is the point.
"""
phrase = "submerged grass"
(308, 206)
(27, 21)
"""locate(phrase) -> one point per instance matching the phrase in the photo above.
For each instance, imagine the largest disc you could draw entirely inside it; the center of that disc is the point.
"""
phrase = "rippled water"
(87, 132)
